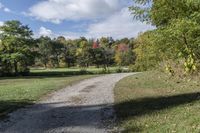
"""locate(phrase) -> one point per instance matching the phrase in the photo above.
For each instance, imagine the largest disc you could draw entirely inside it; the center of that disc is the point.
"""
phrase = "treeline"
(19, 51)
(175, 43)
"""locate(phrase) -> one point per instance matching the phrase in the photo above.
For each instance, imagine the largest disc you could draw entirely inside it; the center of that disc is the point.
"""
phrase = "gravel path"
(82, 108)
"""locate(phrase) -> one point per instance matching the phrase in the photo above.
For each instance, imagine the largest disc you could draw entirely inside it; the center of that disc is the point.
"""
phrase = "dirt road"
(85, 107)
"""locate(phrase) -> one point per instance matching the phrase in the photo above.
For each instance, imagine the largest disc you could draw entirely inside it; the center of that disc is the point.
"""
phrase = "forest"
(19, 51)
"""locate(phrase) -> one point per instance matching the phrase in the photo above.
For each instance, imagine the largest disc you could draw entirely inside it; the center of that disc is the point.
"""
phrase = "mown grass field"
(152, 102)
(71, 71)
(17, 92)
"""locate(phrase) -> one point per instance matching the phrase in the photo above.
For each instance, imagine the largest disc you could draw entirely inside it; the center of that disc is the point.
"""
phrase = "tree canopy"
(16, 47)
(176, 36)
(19, 50)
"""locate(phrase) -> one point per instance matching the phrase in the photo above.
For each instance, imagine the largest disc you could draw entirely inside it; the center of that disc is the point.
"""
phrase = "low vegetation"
(153, 102)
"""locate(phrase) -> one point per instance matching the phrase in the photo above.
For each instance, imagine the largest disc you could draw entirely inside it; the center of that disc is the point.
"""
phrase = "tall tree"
(56, 53)
(178, 25)
(124, 55)
(45, 48)
(82, 52)
(68, 53)
(16, 47)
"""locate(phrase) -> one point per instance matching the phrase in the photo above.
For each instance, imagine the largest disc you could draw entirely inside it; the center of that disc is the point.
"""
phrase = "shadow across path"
(53, 117)
(12, 105)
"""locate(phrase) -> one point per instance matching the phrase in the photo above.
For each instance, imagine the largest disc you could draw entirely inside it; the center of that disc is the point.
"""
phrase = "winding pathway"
(85, 107)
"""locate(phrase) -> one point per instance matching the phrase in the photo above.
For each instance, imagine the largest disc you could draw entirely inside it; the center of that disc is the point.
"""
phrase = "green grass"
(70, 71)
(75, 71)
(151, 102)
(20, 91)
(92, 69)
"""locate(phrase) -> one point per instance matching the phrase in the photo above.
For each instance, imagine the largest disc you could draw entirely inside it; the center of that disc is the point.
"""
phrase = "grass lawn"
(71, 71)
(151, 102)
(20, 91)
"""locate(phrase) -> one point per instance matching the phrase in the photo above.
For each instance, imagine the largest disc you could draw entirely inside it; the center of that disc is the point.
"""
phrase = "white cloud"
(118, 25)
(48, 32)
(1, 23)
(58, 10)
(45, 32)
(73, 35)
(4, 8)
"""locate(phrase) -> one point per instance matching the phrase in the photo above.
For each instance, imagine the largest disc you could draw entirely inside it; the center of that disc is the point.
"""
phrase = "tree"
(178, 24)
(104, 41)
(161, 12)
(56, 53)
(124, 55)
(82, 52)
(183, 41)
(148, 55)
(16, 47)
(44, 50)
(68, 53)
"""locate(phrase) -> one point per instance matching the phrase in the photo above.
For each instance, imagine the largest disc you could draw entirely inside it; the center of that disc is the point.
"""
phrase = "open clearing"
(83, 107)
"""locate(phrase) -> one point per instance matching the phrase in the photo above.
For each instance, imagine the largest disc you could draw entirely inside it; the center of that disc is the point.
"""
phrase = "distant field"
(70, 71)
(151, 102)
(20, 91)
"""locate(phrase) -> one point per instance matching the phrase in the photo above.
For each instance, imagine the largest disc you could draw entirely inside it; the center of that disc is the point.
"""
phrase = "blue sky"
(74, 18)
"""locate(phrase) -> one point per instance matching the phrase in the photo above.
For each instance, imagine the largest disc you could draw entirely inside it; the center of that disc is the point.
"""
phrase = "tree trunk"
(45, 65)
(15, 67)
(68, 64)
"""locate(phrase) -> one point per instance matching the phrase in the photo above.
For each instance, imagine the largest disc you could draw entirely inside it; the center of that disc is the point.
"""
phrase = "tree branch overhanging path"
(84, 107)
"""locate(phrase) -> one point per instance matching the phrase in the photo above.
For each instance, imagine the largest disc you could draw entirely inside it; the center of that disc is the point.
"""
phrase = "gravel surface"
(85, 107)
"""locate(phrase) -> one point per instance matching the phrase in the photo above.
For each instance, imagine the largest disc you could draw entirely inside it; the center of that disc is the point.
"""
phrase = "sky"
(74, 18)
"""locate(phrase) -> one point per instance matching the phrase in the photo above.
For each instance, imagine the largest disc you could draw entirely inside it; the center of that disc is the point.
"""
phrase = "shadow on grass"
(55, 74)
(59, 117)
(149, 105)
(61, 73)
(49, 75)
(7, 107)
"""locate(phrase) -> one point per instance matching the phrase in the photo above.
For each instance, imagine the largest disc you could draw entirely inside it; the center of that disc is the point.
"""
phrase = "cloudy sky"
(74, 18)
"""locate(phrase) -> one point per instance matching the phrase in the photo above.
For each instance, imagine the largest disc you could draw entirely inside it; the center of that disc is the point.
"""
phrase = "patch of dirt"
(88, 88)
(76, 99)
